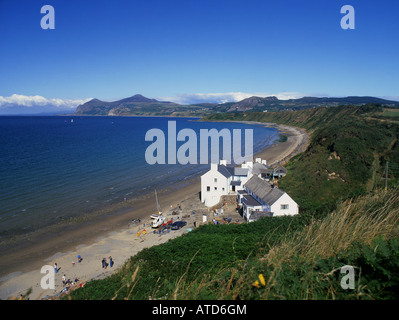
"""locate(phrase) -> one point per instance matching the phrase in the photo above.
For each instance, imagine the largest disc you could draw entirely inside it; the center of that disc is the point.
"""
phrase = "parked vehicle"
(178, 224)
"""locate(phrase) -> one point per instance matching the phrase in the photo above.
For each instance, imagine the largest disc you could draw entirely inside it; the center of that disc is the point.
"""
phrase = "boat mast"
(158, 206)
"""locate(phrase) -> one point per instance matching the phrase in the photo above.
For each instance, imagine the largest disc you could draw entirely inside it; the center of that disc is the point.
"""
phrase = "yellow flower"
(262, 280)
(256, 284)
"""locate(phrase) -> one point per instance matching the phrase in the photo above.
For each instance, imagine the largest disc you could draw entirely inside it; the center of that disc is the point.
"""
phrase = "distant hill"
(274, 104)
(254, 103)
(139, 105)
(135, 105)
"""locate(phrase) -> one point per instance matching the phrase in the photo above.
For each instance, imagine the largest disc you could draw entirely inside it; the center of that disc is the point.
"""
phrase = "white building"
(259, 199)
(257, 196)
(223, 180)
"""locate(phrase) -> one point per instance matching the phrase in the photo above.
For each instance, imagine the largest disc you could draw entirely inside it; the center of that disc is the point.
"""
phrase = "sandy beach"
(115, 234)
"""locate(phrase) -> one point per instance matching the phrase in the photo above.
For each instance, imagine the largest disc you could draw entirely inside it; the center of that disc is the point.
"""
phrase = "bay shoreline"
(20, 269)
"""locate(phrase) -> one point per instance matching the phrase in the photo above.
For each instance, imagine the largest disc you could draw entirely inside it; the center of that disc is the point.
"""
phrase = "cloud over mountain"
(227, 97)
(18, 103)
(32, 101)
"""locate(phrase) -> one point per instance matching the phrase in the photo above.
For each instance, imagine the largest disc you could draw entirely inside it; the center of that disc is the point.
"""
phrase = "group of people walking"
(105, 263)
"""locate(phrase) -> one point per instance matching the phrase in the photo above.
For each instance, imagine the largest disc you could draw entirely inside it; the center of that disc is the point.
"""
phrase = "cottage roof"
(232, 171)
(263, 190)
(273, 196)
(259, 168)
(226, 171)
(280, 170)
(240, 171)
(251, 201)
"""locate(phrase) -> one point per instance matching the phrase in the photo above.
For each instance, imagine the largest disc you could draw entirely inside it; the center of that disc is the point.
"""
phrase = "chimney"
(258, 160)
(214, 166)
(264, 162)
(223, 162)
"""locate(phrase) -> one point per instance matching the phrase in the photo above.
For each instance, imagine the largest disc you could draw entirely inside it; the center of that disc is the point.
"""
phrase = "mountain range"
(139, 105)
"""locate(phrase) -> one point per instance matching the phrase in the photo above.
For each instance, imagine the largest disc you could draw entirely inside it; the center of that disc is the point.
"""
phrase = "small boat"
(157, 220)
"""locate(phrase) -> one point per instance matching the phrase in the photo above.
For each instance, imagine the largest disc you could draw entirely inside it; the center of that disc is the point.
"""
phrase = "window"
(208, 188)
(215, 180)
(216, 188)
(284, 207)
(222, 189)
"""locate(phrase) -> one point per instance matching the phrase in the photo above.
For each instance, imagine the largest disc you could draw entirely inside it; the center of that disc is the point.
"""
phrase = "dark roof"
(235, 183)
(232, 171)
(258, 186)
(250, 201)
(226, 171)
(242, 192)
(273, 196)
(263, 190)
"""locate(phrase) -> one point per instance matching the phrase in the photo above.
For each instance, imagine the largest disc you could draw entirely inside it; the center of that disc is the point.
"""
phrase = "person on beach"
(55, 268)
(64, 279)
(80, 258)
(111, 262)
(104, 263)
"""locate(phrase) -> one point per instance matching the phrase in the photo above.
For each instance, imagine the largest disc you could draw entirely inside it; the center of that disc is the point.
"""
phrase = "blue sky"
(187, 50)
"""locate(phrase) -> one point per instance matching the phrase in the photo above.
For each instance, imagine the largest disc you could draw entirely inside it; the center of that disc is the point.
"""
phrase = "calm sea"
(53, 168)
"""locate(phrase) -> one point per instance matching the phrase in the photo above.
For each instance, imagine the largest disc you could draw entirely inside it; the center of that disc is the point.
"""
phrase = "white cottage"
(222, 180)
(259, 199)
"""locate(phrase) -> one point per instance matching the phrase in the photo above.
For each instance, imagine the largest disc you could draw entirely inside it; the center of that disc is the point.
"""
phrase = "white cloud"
(39, 101)
(226, 97)
(395, 98)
